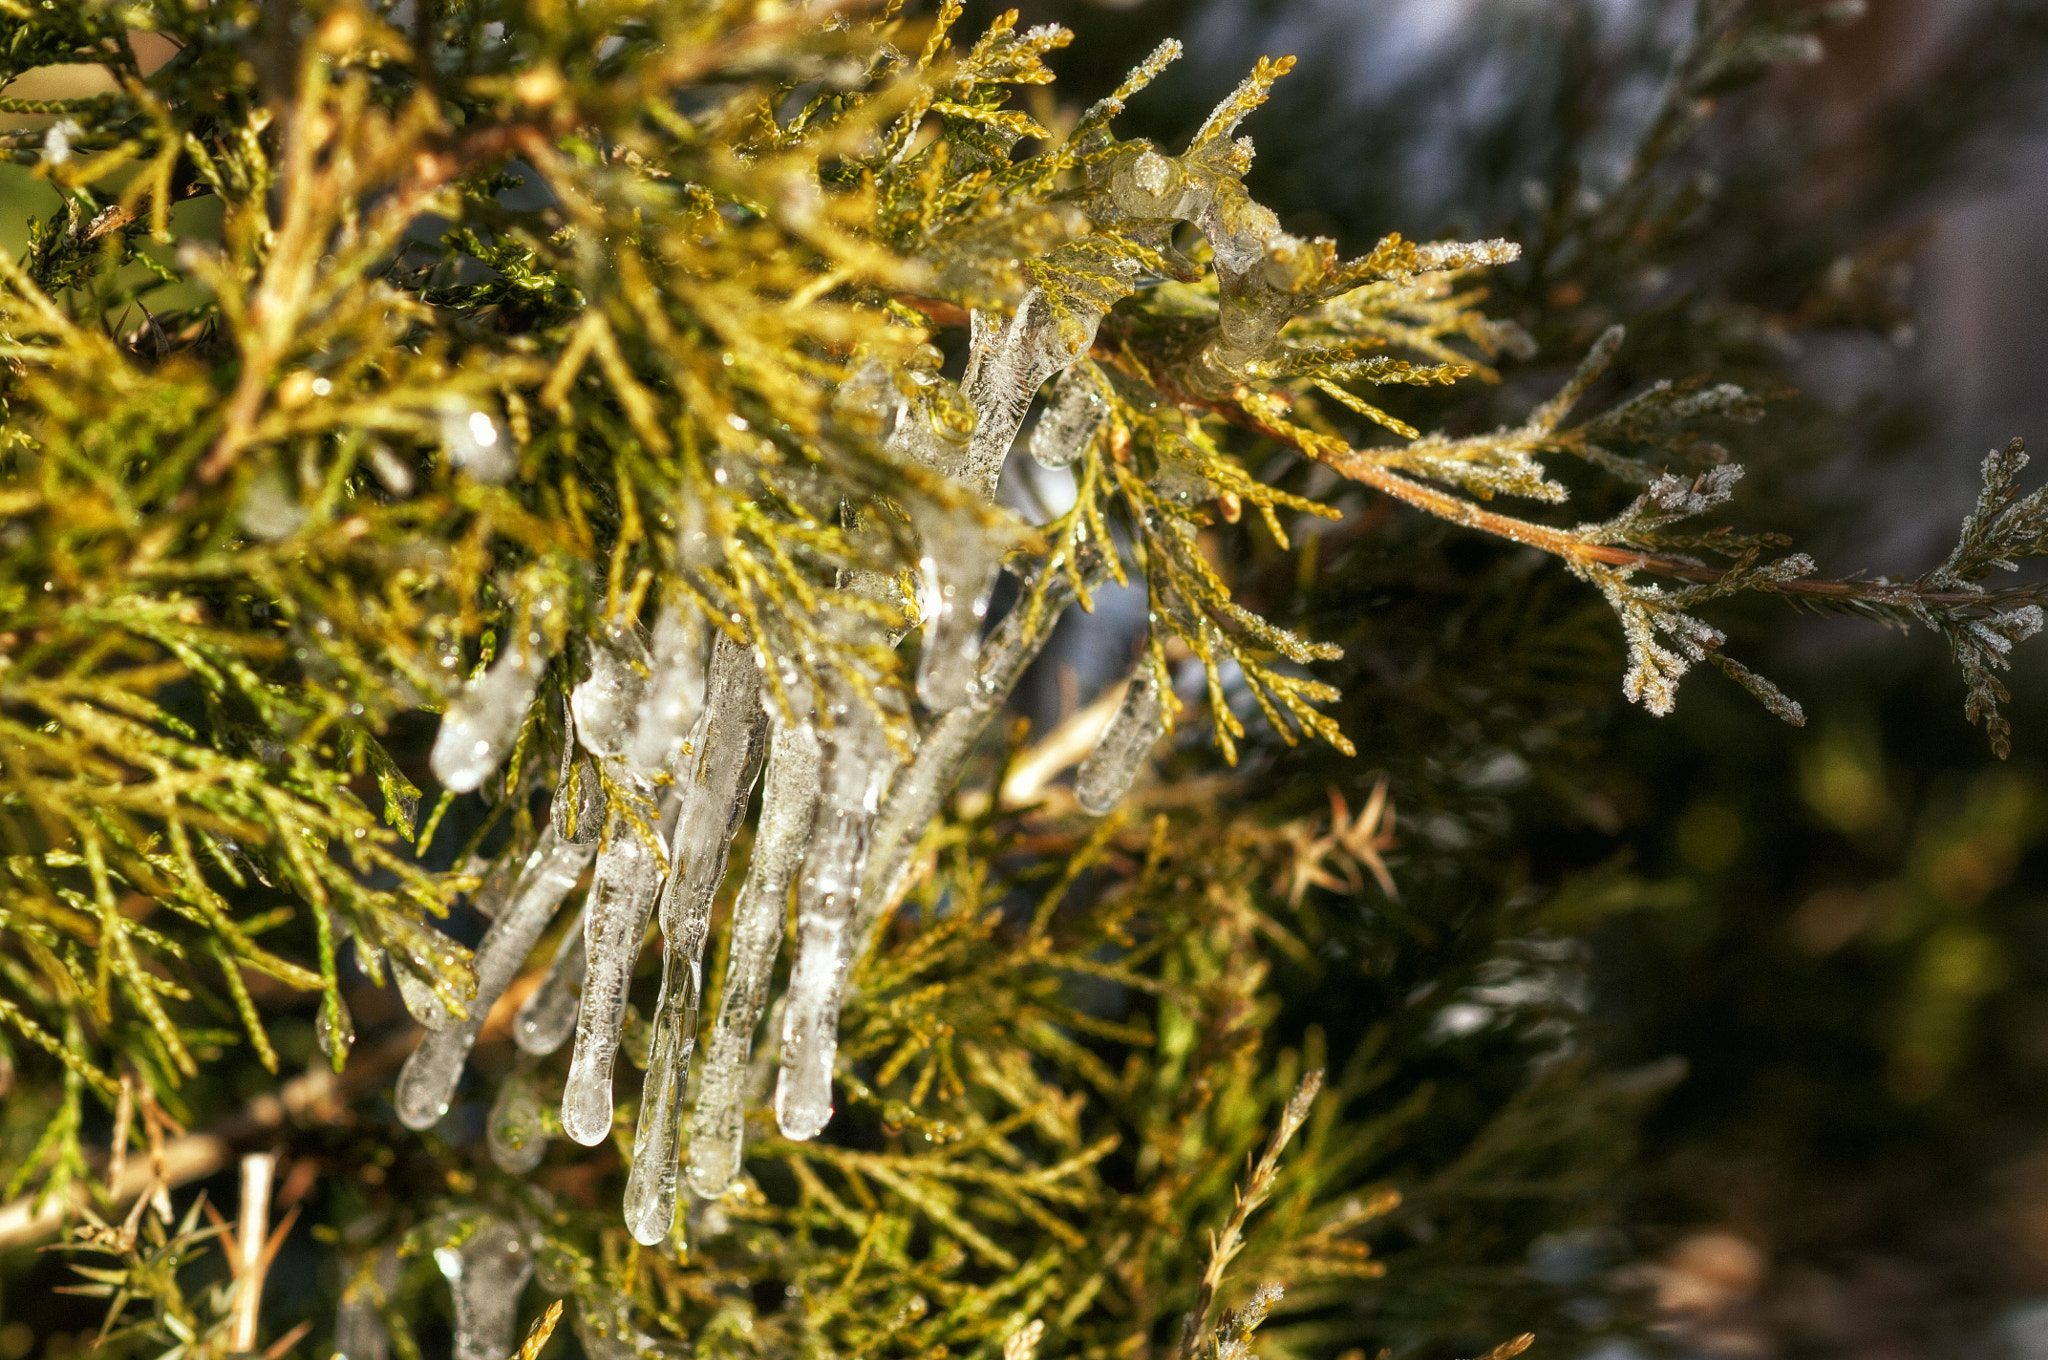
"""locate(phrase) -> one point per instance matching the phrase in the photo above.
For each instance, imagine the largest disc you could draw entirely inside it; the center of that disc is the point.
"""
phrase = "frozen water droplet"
(486, 1275)
(1110, 769)
(334, 1030)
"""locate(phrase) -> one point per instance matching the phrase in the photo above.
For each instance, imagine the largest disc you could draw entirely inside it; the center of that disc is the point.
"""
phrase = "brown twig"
(1225, 1246)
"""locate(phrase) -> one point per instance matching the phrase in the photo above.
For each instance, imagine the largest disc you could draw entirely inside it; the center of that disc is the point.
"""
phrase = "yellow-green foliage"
(523, 317)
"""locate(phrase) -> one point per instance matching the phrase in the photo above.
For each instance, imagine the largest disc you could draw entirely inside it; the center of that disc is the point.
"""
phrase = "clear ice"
(729, 744)
(857, 764)
(483, 721)
(1070, 418)
(486, 1274)
(548, 1014)
(517, 1132)
(636, 724)
(430, 1074)
(1110, 769)
(789, 799)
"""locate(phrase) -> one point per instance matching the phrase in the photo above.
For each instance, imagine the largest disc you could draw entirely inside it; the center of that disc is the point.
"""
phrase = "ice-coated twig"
(548, 1014)
(1110, 769)
(857, 765)
(919, 787)
(430, 1075)
(486, 1275)
(789, 798)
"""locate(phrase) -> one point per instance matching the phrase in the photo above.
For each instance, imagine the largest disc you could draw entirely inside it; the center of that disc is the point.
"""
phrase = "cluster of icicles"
(841, 811)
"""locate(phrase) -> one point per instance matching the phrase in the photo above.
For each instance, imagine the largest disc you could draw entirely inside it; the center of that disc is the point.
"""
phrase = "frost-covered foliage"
(576, 372)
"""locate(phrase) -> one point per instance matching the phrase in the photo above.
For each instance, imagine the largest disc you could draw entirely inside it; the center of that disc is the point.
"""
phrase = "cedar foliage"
(523, 323)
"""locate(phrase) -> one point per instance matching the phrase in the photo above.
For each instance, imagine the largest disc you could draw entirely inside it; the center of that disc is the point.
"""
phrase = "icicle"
(857, 765)
(789, 798)
(517, 1133)
(548, 1015)
(1140, 720)
(483, 721)
(727, 742)
(729, 746)
(359, 1332)
(622, 896)
(430, 1074)
(1069, 420)
(486, 1275)
(650, 1205)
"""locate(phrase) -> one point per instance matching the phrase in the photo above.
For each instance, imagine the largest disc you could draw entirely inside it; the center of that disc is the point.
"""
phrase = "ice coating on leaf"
(577, 807)
(548, 1014)
(1007, 362)
(650, 1205)
(1140, 720)
(1069, 420)
(334, 1029)
(622, 894)
(789, 798)
(516, 1132)
(486, 1274)
(428, 1079)
(857, 763)
(419, 955)
(483, 721)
